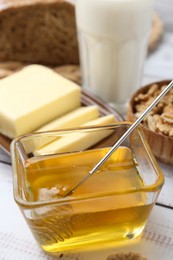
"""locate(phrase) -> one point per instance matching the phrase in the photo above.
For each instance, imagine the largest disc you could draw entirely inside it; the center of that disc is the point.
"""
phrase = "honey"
(110, 206)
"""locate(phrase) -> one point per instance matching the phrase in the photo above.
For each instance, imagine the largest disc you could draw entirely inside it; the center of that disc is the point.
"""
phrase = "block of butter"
(75, 118)
(32, 97)
(78, 141)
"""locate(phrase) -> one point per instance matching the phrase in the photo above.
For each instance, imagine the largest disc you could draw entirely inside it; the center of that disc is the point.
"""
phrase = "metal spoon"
(123, 137)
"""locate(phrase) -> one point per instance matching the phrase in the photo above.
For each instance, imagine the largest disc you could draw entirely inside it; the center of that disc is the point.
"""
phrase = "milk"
(113, 38)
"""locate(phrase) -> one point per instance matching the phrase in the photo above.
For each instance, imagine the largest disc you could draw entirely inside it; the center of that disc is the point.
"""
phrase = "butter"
(75, 118)
(78, 141)
(32, 97)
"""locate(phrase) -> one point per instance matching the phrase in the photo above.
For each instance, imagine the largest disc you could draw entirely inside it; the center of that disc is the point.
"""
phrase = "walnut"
(168, 109)
(167, 117)
(151, 123)
(160, 119)
(153, 89)
(126, 256)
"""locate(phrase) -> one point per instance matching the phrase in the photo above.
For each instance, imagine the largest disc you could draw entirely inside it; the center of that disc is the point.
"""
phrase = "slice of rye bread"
(38, 31)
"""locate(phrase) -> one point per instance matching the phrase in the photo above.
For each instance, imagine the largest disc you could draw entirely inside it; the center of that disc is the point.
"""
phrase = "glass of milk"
(113, 36)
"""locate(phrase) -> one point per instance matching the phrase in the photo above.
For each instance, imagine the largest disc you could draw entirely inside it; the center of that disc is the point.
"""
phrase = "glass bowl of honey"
(111, 206)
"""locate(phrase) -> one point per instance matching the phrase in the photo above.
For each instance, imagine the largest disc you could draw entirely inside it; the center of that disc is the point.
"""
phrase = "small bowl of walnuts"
(158, 125)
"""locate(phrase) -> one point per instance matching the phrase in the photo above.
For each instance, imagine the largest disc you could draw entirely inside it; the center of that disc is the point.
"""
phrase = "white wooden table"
(16, 241)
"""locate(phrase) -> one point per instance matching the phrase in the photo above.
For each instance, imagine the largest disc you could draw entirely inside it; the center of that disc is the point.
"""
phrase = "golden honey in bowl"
(112, 205)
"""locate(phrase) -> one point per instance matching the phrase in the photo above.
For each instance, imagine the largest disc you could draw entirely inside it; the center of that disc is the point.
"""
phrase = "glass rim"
(28, 204)
(70, 129)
